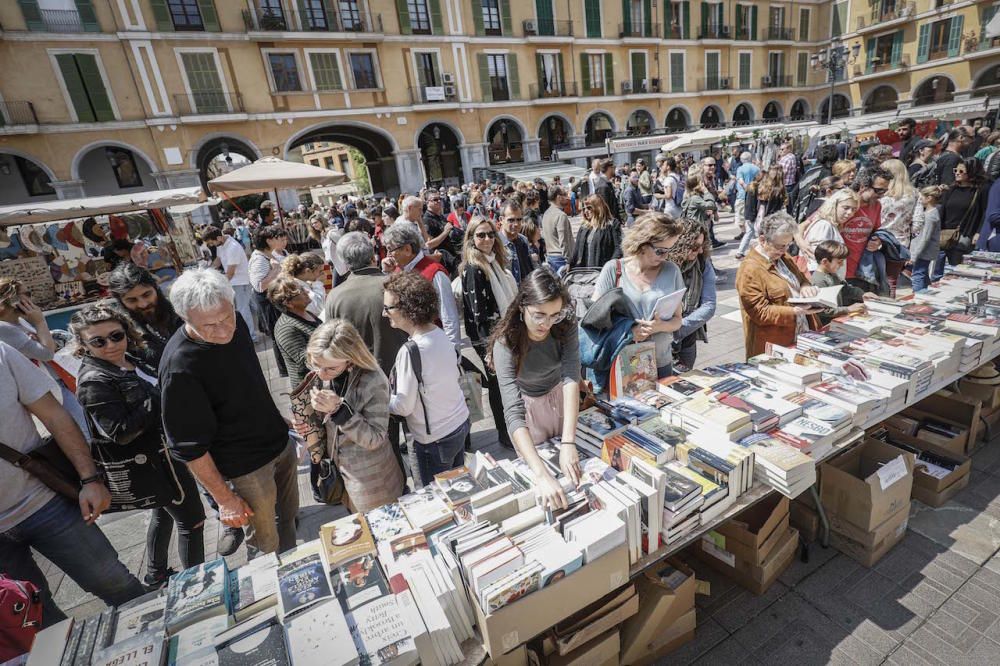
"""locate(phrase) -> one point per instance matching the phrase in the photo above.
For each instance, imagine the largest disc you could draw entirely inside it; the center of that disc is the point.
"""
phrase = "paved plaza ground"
(934, 599)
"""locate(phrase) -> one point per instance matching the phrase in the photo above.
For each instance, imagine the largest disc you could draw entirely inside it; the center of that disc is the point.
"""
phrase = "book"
(380, 634)
(345, 539)
(387, 521)
(519, 584)
(826, 297)
(359, 581)
(196, 641)
(197, 594)
(320, 635)
(678, 489)
(665, 307)
(458, 485)
(634, 370)
(301, 583)
(254, 586)
(558, 559)
(598, 423)
(425, 510)
(140, 615)
(678, 388)
(597, 534)
(263, 645)
(145, 649)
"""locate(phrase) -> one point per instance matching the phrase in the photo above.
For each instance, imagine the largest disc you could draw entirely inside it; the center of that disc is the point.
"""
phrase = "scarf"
(502, 284)
(693, 274)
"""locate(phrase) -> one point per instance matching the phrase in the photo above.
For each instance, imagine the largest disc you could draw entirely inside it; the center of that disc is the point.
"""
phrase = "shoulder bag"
(48, 464)
(310, 427)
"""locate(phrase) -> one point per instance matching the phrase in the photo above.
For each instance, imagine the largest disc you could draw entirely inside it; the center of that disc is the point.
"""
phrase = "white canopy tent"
(270, 173)
(66, 209)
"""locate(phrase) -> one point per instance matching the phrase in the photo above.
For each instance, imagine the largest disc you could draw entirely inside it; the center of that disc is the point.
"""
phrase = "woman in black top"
(488, 288)
(294, 326)
(600, 237)
(963, 206)
(120, 395)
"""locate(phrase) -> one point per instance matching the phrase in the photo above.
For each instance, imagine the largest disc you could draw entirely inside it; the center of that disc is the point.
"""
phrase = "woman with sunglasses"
(352, 394)
(120, 396)
(692, 255)
(294, 327)
(645, 275)
(599, 239)
(488, 288)
(430, 397)
(535, 352)
(963, 207)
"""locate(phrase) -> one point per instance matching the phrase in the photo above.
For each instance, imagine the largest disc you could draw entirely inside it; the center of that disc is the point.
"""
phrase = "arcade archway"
(22, 179)
(220, 155)
(640, 122)
(599, 127)
(883, 98)
(113, 169)
(711, 117)
(439, 153)
(553, 134)
(841, 107)
(800, 110)
(742, 115)
(677, 120)
(505, 142)
(772, 112)
(987, 83)
(376, 147)
(935, 90)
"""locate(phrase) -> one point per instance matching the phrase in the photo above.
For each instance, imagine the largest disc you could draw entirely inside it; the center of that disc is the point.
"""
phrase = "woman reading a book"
(646, 275)
(352, 394)
(692, 254)
(535, 352)
(765, 281)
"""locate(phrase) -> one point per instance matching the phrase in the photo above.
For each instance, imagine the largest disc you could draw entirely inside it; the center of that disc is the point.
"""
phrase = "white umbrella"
(992, 29)
(270, 173)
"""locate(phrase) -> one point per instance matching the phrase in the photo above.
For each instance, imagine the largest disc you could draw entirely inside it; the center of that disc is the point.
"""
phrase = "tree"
(360, 178)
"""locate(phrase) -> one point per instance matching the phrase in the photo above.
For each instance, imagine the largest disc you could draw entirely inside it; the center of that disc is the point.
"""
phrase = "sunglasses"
(99, 342)
(434, 200)
(880, 190)
(960, 172)
(661, 251)
(485, 234)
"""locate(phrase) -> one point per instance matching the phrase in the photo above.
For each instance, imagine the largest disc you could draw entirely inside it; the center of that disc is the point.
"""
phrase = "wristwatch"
(91, 479)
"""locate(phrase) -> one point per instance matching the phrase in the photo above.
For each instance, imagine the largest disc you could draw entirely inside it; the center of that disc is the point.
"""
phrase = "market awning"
(544, 170)
(270, 173)
(67, 209)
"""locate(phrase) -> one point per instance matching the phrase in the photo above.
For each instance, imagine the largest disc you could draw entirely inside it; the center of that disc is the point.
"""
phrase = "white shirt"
(231, 253)
(443, 397)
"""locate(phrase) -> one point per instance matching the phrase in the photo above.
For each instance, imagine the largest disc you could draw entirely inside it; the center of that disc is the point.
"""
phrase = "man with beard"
(137, 292)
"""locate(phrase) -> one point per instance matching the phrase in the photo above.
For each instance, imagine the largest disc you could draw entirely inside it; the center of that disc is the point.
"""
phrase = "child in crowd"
(830, 256)
(533, 232)
(926, 245)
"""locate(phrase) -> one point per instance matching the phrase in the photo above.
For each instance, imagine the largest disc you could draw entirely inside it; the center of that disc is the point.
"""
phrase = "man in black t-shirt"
(219, 417)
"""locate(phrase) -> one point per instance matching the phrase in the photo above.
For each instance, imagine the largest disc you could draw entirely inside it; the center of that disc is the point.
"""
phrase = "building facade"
(106, 96)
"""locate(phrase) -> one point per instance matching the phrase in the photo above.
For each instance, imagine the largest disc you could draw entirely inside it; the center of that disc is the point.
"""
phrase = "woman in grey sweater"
(535, 353)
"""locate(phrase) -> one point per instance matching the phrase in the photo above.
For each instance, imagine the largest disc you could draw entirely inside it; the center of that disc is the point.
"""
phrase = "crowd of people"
(368, 303)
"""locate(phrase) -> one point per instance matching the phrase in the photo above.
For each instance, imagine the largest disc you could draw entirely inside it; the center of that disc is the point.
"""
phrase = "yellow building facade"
(107, 96)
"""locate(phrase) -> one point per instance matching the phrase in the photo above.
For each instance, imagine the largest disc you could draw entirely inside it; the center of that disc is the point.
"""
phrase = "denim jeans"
(749, 235)
(444, 454)
(686, 351)
(272, 491)
(243, 296)
(918, 276)
(556, 262)
(82, 551)
(938, 267)
(190, 518)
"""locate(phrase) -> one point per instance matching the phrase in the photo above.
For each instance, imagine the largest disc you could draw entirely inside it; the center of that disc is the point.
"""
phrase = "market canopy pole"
(271, 174)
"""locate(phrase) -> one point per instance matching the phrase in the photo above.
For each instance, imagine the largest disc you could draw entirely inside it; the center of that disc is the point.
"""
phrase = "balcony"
(433, 94)
(877, 65)
(715, 32)
(715, 83)
(937, 54)
(745, 34)
(638, 29)
(315, 21)
(641, 87)
(58, 20)
(675, 31)
(547, 28)
(982, 44)
(780, 34)
(599, 91)
(17, 113)
(879, 16)
(208, 103)
(553, 90)
(776, 81)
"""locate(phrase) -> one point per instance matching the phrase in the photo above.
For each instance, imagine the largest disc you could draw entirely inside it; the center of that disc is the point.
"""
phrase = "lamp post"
(833, 59)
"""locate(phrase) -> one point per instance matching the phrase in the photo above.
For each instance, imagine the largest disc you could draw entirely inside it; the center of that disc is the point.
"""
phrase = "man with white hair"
(220, 419)
(745, 174)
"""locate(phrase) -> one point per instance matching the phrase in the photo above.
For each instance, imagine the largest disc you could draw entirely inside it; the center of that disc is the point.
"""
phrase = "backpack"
(414, 352)
(580, 283)
(927, 176)
(20, 616)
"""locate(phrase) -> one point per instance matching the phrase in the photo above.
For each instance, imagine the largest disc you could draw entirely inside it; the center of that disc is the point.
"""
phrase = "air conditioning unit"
(626, 87)
(447, 78)
(655, 85)
(449, 91)
(724, 83)
(767, 80)
(530, 27)
(724, 31)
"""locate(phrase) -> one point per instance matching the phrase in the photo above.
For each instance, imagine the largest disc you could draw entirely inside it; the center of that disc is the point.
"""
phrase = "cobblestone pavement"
(935, 598)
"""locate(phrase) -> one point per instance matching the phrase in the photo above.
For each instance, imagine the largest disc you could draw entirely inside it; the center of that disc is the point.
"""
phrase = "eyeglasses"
(434, 200)
(394, 249)
(100, 342)
(880, 190)
(485, 234)
(389, 308)
(661, 251)
(540, 318)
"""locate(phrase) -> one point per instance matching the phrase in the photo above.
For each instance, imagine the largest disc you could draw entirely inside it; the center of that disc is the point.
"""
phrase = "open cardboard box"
(753, 534)
(661, 609)
(953, 409)
(859, 487)
(666, 641)
(603, 650)
(874, 545)
(803, 517)
(597, 618)
(756, 578)
(514, 624)
(928, 489)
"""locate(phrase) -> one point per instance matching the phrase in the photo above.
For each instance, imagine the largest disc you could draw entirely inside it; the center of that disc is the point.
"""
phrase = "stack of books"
(783, 467)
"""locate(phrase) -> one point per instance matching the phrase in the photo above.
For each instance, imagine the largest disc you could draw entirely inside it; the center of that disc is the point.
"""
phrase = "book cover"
(345, 539)
(680, 489)
(196, 641)
(320, 635)
(196, 594)
(424, 510)
(595, 421)
(634, 370)
(144, 649)
(387, 521)
(522, 583)
(458, 485)
(265, 646)
(380, 634)
(301, 584)
(255, 585)
(359, 581)
(140, 615)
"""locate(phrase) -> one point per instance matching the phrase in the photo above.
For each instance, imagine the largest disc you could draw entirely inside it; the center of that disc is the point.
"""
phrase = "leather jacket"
(121, 407)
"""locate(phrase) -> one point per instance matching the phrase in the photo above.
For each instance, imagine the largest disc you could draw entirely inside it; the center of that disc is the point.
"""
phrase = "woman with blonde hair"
(599, 239)
(488, 288)
(898, 205)
(15, 305)
(825, 225)
(845, 170)
(307, 270)
(349, 395)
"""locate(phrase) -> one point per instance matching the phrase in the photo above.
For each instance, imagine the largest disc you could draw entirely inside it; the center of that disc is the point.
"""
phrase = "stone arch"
(440, 156)
(454, 130)
(15, 187)
(675, 114)
(772, 112)
(591, 136)
(504, 147)
(841, 106)
(558, 114)
(641, 111)
(881, 98)
(378, 147)
(743, 114)
(505, 116)
(935, 89)
(220, 144)
(712, 116)
(231, 138)
(119, 168)
(986, 81)
(554, 130)
(74, 169)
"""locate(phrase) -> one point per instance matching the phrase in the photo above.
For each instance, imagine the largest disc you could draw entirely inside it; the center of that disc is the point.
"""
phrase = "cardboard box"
(601, 651)
(756, 578)
(752, 535)
(987, 395)
(989, 424)
(860, 488)
(666, 641)
(516, 657)
(661, 609)
(928, 489)
(875, 544)
(805, 519)
(516, 623)
(957, 410)
(583, 627)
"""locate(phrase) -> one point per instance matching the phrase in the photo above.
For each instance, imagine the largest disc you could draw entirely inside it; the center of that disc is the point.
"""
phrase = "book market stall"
(734, 465)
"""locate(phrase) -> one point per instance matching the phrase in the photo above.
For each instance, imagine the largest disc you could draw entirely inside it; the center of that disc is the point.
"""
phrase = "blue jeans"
(918, 276)
(444, 454)
(82, 551)
(556, 262)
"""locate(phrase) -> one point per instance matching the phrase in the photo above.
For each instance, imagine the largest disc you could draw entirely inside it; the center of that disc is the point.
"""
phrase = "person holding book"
(120, 396)
(425, 388)
(352, 395)
(830, 257)
(599, 239)
(691, 254)
(646, 275)
(535, 352)
(765, 281)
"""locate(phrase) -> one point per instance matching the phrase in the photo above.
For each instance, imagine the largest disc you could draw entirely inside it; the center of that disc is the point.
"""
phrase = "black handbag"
(137, 479)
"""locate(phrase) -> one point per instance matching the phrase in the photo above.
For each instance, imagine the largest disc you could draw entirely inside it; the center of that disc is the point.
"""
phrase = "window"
(272, 16)
(746, 22)
(207, 95)
(313, 15)
(940, 33)
(185, 14)
(491, 17)
(745, 61)
(328, 162)
(326, 71)
(678, 19)
(775, 66)
(596, 62)
(284, 72)
(315, 163)
(712, 69)
(497, 64)
(363, 71)
(35, 180)
(638, 60)
(804, 15)
(592, 12)
(714, 19)
(427, 73)
(676, 72)
(636, 18)
(776, 17)
(549, 68)
(420, 17)
(882, 52)
(85, 86)
(802, 72)
(350, 16)
(345, 165)
(942, 39)
(838, 25)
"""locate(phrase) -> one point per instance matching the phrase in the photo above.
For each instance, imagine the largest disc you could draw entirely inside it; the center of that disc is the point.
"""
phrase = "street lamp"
(835, 58)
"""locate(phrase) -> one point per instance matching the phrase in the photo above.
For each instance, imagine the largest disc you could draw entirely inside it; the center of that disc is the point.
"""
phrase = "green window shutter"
(870, 54)
(647, 18)
(421, 77)
(437, 25)
(513, 78)
(739, 22)
(209, 17)
(638, 73)
(94, 84)
(720, 12)
(804, 25)
(539, 73)
(330, 11)
(626, 18)
(75, 87)
(85, 9)
(506, 19)
(897, 47)
(609, 75)
(584, 73)
(325, 71)
(704, 19)
(955, 38)
(161, 14)
(32, 15)
(404, 17)
(543, 12)
(667, 18)
(686, 9)
(477, 16)
(753, 23)
(559, 68)
(803, 73)
(592, 9)
(485, 87)
(924, 43)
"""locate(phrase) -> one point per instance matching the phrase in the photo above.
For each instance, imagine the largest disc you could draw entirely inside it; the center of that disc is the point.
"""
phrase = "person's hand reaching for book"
(551, 492)
(802, 310)
(569, 462)
(808, 291)
(856, 308)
